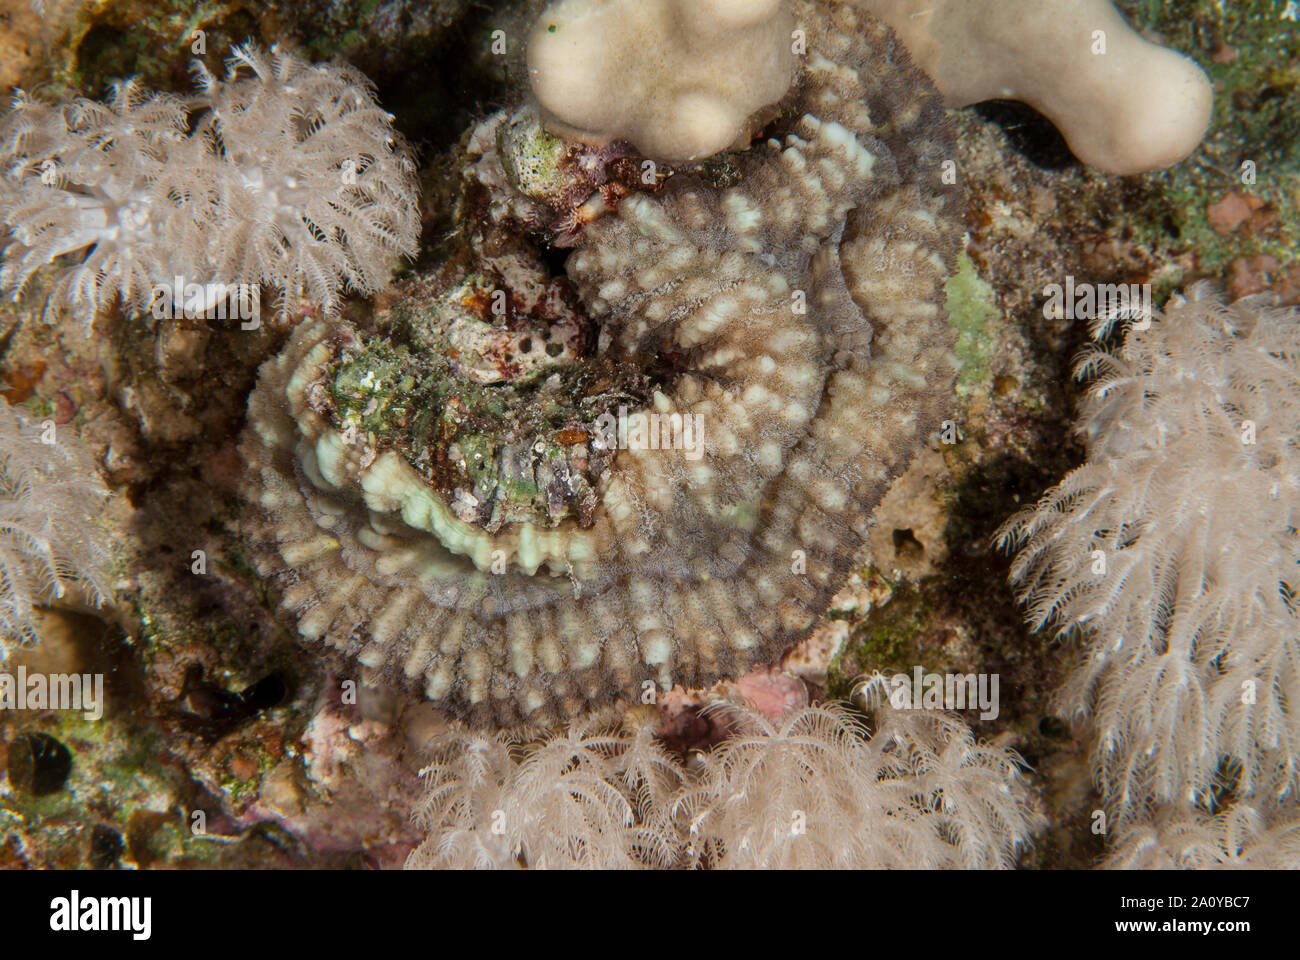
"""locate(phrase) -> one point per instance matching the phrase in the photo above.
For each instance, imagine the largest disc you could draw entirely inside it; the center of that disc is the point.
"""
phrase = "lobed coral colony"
(757, 310)
(601, 446)
(1123, 103)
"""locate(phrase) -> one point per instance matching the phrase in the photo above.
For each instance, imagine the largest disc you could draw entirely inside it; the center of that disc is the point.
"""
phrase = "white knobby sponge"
(679, 79)
(1125, 105)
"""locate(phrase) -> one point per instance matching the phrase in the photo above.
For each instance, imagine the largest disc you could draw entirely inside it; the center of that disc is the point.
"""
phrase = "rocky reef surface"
(226, 740)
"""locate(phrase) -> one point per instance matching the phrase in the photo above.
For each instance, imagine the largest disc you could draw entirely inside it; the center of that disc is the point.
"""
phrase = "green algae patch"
(889, 639)
(535, 161)
(972, 311)
(490, 390)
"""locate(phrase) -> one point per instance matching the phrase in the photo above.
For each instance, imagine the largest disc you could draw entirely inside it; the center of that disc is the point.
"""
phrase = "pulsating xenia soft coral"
(1173, 552)
(814, 791)
(590, 797)
(1241, 837)
(50, 537)
(810, 791)
(286, 173)
(93, 180)
(313, 185)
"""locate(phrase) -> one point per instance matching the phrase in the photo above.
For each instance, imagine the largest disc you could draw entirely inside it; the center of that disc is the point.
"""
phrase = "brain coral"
(789, 297)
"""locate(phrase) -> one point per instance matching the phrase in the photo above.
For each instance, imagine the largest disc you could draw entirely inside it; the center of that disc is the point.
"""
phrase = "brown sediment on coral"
(805, 303)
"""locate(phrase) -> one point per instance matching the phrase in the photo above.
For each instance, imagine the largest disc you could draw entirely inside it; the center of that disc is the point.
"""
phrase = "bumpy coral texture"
(812, 791)
(50, 540)
(1172, 551)
(798, 313)
(1124, 103)
(680, 79)
(286, 174)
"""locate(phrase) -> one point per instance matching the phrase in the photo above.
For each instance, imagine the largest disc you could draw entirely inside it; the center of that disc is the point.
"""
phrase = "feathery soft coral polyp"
(50, 542)
(1173, 552)
(285, 174)
(812, 790)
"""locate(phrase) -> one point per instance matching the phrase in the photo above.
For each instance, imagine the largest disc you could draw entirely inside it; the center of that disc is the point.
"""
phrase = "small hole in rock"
(907, 547)
(1030, 133)
(1053, 727)
(38, 764)
(105, 847)
(266, 693)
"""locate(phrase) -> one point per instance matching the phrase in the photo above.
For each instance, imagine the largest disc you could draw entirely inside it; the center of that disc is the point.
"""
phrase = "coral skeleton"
(285, 174)
(52, 547)
(1172, 552)
(811, 790)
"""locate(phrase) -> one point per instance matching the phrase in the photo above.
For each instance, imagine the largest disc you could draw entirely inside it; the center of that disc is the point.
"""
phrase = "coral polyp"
(487, 538)
(285, 174)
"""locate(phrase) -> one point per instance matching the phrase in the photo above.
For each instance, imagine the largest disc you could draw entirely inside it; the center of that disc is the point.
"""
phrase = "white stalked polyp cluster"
(1172, 554)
